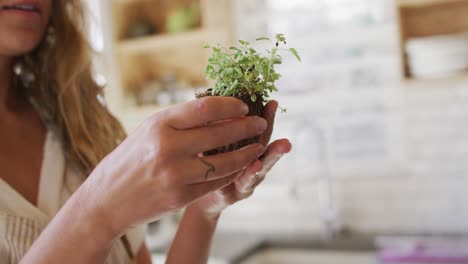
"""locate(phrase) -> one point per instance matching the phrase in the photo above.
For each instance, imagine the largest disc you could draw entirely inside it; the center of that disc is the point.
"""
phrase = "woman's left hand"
(212, 204)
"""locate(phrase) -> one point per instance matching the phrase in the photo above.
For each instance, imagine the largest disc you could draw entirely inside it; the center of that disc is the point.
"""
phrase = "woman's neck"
(7, 94)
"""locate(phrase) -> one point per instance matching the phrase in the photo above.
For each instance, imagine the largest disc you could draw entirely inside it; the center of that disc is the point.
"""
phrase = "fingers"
(269, 115)
(198, 190)
(219, 134)
(204, 110)
(214, 167)
(249, 177)
(274, 152)
(244, 181)
(256, 172)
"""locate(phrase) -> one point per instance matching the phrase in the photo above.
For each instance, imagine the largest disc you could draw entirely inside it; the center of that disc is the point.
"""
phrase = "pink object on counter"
(422, 253)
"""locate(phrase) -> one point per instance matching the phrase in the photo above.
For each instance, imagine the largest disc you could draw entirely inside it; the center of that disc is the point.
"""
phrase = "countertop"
(240, 248)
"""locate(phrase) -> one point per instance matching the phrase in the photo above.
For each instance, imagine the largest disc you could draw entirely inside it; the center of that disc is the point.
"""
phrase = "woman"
(72, 187)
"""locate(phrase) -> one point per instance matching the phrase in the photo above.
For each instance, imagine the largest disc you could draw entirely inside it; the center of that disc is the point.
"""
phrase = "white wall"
(398, 155)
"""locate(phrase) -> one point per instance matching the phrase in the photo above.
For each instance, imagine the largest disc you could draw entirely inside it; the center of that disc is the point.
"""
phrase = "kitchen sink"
(294, 250)
(244, 248)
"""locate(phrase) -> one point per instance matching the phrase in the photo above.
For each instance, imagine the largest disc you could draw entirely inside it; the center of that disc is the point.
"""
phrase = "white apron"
(21, 222)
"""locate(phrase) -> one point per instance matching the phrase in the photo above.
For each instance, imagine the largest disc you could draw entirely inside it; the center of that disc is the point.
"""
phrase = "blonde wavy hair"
(65, 89)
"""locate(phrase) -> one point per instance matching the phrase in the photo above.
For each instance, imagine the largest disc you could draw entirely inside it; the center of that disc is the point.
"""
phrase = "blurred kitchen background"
(377, 113)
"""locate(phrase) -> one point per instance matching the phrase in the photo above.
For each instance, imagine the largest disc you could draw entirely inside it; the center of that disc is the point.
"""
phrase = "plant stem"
(273, 53)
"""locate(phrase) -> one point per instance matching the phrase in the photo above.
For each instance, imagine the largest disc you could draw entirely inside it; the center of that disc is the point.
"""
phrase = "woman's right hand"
(158, 169)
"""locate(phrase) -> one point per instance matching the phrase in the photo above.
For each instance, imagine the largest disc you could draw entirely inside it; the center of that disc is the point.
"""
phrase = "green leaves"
(295, 53)
(280, 38)
(242, 70)
(244, 43)
(253, 98)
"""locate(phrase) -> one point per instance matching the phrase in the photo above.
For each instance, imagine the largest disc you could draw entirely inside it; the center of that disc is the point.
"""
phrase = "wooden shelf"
(427, 18)
(422, 3)
(155, 43)
(180, 53)
(138, 63)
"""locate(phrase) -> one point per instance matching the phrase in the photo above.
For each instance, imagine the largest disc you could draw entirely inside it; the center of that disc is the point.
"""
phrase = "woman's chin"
(18, 49)
(16, 41)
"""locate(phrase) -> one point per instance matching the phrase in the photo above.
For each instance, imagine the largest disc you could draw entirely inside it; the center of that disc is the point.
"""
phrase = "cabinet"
(150, 40)
(426, 18)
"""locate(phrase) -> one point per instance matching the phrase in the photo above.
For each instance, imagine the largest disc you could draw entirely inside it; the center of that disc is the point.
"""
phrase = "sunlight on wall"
(95, 25)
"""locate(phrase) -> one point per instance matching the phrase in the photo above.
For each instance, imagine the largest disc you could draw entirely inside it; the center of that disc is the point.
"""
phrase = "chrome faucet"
(327, 211)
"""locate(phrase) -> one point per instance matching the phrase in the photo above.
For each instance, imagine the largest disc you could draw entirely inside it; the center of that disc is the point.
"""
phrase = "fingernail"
(245, 109)
(261, 125)
(260, 148)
